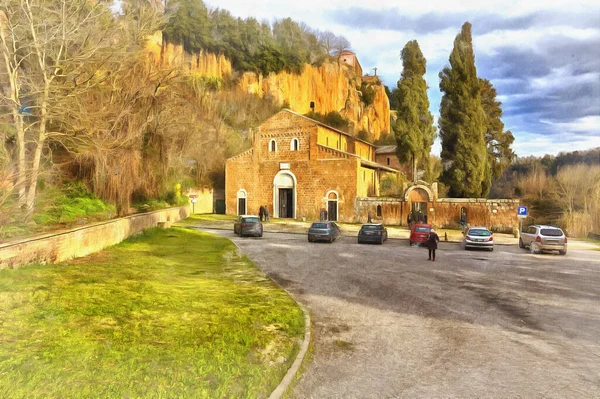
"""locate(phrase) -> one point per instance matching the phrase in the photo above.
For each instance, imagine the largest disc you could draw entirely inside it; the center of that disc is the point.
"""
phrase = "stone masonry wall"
(499, 215)
(82, 241)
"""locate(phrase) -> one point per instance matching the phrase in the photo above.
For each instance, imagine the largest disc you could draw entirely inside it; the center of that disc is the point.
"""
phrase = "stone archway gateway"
(284, 195)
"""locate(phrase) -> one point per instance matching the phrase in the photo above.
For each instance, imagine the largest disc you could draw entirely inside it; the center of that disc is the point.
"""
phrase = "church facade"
(300, 168)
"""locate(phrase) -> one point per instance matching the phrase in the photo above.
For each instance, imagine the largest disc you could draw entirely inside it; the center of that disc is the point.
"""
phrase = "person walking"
(261, 213)
(369, 217)
(432, 243)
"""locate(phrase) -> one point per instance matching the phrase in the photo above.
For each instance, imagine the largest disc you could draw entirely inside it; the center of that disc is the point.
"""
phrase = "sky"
(542, 56)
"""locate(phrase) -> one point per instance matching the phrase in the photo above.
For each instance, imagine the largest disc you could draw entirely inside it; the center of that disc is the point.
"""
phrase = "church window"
(294, 145)
(272, 146)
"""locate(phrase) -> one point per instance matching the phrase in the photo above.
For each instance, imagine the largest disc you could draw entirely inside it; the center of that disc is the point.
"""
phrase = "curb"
(291, 373)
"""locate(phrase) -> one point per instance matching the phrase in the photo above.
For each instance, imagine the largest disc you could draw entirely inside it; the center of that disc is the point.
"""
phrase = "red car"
(419, 233)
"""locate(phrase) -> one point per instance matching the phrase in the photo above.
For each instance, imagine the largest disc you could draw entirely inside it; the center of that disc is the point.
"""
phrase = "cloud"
(396, 19)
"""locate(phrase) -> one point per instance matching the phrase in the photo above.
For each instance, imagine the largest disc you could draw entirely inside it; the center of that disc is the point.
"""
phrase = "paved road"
(390, 324)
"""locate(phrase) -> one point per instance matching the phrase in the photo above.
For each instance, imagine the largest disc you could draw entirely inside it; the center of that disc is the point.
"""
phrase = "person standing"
(261, 213)
(369, 217)
(409, 220)
(432, 243)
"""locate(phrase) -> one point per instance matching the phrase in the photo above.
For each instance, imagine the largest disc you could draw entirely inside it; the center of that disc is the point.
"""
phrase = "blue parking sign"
(522, 211)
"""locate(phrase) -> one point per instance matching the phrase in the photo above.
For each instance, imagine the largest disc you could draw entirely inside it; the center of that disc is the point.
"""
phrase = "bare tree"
(327, 40)
(576, 191)
(45, 47)
(340, 45)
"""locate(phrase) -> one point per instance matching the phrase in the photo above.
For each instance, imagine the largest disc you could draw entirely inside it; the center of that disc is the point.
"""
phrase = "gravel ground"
(389, 324)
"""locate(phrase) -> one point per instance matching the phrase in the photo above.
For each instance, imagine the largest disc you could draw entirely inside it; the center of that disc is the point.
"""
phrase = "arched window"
(272, 146)
(379, 210)
(295, 144)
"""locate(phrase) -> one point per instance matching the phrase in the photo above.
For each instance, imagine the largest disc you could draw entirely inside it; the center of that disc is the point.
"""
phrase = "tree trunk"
(12, 70)
(414, 168)
(39, 146)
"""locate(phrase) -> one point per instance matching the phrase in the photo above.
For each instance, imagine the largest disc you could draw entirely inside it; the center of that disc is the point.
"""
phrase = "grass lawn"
(168, 314)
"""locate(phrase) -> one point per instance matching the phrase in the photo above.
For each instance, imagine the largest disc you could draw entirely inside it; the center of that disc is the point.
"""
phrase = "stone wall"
(204, 201)
(499, 215)
(82, 241)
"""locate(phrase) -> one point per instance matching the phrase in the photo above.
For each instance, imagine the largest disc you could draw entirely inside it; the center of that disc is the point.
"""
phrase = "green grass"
(195, 218)
(168, 314)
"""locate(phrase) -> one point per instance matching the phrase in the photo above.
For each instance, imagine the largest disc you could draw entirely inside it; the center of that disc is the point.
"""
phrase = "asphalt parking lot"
(388, 323)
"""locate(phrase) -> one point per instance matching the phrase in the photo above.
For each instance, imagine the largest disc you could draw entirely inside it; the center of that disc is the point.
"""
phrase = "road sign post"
(521, 214)
(193, 199)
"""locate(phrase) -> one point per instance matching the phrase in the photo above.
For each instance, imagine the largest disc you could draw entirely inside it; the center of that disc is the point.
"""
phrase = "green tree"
(413, 128)
(188, 24)
(498, 141)
(462, 123)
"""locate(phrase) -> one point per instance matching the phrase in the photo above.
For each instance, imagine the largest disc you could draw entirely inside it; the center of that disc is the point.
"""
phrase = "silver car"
(324, 231)
(248, 225)
(541, 238)
(478, 237)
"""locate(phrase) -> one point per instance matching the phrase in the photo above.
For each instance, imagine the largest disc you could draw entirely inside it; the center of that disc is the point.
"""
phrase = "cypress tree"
(462, 122)
(414, 128)
(497, 141)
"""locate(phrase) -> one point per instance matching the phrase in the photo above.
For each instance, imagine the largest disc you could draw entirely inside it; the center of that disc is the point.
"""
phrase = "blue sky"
(543, 57)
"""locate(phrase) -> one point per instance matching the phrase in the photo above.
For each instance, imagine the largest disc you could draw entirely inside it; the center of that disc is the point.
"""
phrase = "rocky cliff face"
(331, 86)
(203, 63)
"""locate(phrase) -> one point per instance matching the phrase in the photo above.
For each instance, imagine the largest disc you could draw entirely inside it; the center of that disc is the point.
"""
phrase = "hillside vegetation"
(562, 190)
(82, 104)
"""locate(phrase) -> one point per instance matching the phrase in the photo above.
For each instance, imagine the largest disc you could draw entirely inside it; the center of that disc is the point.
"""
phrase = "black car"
(324, 231)
(248, 225)
(372, 232)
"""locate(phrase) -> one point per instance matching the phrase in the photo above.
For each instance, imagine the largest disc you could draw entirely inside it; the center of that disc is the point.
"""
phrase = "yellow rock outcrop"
(331, 86)
(202, 63)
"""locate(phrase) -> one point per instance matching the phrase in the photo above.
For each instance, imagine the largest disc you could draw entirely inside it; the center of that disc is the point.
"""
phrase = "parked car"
(248, 225)
(372, 232)
(324, 231)
(541, 238)
(419, 233)
(478, 237)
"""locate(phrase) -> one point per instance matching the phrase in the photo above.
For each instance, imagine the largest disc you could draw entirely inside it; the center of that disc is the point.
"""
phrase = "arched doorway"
(332, 206)
(241, 201)
(284, 195)
(418, 197)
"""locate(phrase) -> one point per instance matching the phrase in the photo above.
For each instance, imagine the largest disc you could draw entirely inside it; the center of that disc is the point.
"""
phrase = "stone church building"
(299, 167)
(302, 169)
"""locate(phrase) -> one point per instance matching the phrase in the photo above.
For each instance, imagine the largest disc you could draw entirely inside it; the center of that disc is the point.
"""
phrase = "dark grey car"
(372, 232)
(248, 225)
(324, 231)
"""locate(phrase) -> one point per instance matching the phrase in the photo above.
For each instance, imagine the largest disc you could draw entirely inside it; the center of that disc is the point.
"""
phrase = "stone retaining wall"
(65, 245)
(499, 215)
